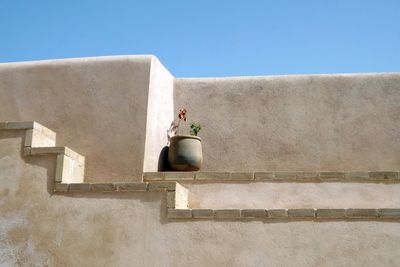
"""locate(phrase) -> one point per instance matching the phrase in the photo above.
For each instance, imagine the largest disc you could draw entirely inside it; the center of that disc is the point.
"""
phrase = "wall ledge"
(286, 214)
(278, 176)
(177, 207)
(69, 178)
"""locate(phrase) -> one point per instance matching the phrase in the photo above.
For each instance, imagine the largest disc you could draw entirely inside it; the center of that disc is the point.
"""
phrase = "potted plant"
(185, 151)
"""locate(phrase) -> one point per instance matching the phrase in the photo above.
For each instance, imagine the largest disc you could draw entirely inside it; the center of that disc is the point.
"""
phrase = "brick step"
(278, 176)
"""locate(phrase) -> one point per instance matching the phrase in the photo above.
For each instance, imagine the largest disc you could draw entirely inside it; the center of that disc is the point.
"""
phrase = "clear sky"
(210, 37)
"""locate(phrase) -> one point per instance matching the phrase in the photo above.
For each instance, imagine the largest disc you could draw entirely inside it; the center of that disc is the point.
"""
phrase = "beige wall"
(101, 108)
(39, 229)
(113, 110)
(279, 195)
(97, 106)
(307, 122)
(160, 114)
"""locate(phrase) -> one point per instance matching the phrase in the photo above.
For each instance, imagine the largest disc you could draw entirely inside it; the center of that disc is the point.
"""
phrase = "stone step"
(56, 150)
(40, 141)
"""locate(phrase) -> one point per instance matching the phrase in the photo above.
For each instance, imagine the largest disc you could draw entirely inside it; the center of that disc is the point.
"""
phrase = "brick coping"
(285, 214)
(277, 176)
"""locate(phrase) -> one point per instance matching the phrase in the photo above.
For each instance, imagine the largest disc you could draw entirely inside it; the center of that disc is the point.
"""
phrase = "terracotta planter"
(185, 153)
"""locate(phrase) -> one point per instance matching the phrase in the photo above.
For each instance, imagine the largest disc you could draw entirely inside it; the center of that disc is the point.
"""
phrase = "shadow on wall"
(47, 162)
(163, 163)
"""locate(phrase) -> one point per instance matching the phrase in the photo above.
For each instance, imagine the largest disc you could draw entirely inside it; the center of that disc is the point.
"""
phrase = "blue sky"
(210, 37)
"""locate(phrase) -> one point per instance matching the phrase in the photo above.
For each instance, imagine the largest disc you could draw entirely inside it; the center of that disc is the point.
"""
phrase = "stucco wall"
(97, 106)
(113, 110)
(328, 195)
(160, 114)
(39, 229)
(101, 108)
(306, 122)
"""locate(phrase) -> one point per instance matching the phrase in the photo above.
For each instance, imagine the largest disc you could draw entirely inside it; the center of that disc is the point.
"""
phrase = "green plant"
(195, 128)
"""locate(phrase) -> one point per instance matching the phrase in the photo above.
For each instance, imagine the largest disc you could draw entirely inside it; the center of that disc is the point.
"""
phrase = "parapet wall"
(296, 123)
(116, 111)
(99, 107)
(298, 170)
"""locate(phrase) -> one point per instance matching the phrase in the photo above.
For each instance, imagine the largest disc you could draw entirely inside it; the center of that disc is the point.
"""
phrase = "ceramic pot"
(185, 153)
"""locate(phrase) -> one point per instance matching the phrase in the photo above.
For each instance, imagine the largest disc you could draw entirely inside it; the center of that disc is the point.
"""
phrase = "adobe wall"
(101, 108)
(296, 123)
(160, 114)
(295, 195)
(98, 107)
(114, 110)
(131, 229)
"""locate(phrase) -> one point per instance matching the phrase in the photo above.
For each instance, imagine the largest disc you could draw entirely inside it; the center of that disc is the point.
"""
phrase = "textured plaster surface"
(116, 110)
(131, 229)
(296, 123)
(294, 195)
(97, 106)
(160, 114)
